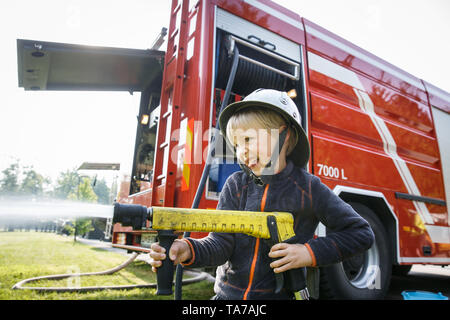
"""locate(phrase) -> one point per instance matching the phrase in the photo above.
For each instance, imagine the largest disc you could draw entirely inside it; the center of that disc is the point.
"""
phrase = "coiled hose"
(249, 76)
(19, 286)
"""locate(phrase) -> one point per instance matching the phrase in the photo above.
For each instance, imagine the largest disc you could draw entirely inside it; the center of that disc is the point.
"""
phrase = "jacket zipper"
(255, 254)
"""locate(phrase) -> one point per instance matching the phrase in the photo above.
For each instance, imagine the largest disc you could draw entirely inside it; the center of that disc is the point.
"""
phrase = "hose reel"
(259, 67)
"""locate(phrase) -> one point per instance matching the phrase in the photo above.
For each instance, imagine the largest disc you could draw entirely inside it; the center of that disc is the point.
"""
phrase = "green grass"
(24, 255)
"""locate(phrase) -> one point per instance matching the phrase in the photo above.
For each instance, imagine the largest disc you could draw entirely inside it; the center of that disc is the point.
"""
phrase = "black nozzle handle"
(295, 279)
(164, 274)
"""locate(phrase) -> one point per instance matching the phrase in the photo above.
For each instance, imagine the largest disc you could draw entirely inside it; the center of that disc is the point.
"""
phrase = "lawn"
(25, 255)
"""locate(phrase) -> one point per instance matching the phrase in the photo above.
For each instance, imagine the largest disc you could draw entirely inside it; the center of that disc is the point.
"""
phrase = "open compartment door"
(61, 66)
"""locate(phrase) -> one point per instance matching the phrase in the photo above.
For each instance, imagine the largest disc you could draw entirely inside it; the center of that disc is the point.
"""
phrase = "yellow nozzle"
(252, 223)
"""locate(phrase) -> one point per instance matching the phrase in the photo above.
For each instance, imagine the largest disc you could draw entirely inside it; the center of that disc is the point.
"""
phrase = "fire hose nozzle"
(133, 215)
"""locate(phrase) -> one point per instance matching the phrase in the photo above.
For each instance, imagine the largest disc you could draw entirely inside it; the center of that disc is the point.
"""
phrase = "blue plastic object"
(423, 295)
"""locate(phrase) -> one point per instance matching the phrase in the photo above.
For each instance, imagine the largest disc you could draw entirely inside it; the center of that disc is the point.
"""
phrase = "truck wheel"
(401, 270)
(364, 276)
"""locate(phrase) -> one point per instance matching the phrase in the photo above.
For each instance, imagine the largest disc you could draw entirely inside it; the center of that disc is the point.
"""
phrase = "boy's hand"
(179, 252)
(291, 256)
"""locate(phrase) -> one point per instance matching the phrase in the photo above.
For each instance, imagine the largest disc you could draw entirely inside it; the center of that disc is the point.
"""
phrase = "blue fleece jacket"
(292, 190)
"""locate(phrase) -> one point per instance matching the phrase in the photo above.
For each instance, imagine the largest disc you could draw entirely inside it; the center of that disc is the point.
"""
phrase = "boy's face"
(254, 148)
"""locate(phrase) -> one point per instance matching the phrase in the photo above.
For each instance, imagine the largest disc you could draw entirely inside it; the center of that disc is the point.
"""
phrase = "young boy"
(265, 131)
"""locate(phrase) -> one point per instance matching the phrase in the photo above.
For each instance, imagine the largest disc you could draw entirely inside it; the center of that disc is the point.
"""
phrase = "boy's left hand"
(291, 256)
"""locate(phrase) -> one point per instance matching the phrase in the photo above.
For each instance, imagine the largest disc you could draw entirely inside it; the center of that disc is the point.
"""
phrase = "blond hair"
(260, 118)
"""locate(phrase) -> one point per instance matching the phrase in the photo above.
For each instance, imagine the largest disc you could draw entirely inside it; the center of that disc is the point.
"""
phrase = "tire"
(401, 270)
(365, 276)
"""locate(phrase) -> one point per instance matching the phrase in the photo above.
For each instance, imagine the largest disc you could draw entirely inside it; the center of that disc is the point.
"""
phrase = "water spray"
(13, 210)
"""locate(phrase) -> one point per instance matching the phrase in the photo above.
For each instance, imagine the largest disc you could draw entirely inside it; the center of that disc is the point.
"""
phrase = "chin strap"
(268, 172)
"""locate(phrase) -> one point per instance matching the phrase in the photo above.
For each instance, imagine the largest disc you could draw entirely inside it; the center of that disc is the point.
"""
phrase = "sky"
(54, 131)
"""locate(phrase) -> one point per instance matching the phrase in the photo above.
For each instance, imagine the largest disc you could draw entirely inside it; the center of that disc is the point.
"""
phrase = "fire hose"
(20, 285)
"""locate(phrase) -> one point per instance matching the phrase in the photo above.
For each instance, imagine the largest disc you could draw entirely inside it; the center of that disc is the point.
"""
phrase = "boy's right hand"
(179, 252)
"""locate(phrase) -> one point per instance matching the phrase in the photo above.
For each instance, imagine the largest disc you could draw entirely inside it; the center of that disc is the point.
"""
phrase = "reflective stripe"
(441, 94)
(350, 78)
(390, 147)
(424, 260)
(186, 172)
(337, 72)
(438, 234)
(263, 200)
(360, 55)
(252, 269)
(276, 13)
(255, 254)
(333, 70)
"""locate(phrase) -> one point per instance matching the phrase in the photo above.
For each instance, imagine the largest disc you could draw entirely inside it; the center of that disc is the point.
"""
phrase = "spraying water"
(21, 209)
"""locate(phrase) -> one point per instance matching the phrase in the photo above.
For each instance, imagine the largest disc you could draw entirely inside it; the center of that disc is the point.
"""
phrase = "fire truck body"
(371, 127)
(379, 136)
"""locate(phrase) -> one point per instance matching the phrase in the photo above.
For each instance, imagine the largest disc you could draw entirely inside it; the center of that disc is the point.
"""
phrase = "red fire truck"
(380, 137)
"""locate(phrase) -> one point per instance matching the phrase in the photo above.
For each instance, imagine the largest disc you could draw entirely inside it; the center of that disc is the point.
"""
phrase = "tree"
(83, 226)
(67, 184)
(84, 191)
(80, 225)
(70, 185)
(102, 191)
(10, 181)
(33, 183)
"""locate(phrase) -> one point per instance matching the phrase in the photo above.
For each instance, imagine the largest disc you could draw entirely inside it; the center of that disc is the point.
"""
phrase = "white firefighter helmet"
(281, 103)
